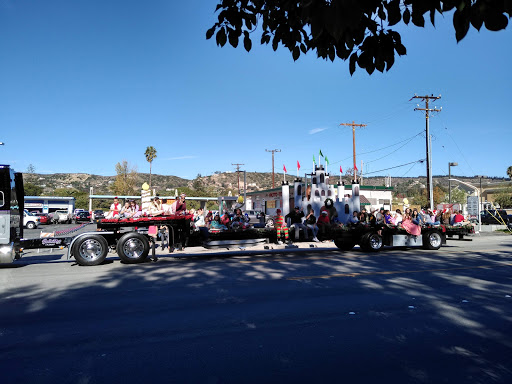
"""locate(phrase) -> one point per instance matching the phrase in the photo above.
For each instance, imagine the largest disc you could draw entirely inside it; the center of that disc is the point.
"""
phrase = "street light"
(449, 178)
(478, 195)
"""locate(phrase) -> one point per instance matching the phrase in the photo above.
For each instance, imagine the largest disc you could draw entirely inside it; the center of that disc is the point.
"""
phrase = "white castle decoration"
(320, 191)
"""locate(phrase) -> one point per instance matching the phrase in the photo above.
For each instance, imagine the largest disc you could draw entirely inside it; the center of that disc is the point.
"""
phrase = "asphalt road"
(401, 316)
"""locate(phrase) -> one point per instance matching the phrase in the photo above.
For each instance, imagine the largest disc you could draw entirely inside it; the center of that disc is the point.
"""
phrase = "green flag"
(314, 159)
(321, 154)
(326, 160)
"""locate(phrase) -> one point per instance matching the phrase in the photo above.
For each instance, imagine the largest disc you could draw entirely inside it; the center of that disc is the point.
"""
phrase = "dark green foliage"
(32, 189)
(345, 29)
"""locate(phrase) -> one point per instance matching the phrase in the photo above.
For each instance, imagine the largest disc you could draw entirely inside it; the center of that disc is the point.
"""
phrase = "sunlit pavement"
(281, 315)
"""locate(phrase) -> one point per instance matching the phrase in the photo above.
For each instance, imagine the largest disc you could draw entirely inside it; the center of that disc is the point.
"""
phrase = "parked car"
(98, 214)
(30, 221)
(256, 217)
(43, 217)
(83, 216)
(61, 216)
(493, 217)
(76, 211)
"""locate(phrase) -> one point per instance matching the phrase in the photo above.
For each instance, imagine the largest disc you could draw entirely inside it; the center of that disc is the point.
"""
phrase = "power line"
(397, 166)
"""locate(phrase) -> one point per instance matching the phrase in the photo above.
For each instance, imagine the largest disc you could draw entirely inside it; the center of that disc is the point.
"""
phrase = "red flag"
(284, 167)
(298, 164)
(355, 167)
(341, 170)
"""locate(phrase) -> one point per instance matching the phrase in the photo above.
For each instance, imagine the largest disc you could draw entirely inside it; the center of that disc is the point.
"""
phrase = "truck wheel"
(432, 240)
(371, 242)
(344, 245)
(31, 225)
(90, 250)
(133, 248)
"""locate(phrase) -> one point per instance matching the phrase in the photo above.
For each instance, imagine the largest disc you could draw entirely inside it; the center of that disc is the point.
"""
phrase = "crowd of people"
(410, 220)
(156, 207)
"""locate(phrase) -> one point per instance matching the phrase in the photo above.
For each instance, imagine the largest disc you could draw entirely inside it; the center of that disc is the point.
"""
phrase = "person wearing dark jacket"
(295, 217)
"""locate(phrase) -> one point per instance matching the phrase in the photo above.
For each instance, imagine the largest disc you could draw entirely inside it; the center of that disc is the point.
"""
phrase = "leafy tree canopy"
(354, 30)
(32, 189)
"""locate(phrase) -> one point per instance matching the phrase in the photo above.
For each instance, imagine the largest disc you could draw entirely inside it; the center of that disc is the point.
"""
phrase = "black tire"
(90, 250)
(344, 245)
(371, 242)
(432, 240)
(133, 248)
(31, 225)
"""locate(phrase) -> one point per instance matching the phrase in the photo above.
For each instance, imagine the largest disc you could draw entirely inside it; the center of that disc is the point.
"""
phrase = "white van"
(30, 221)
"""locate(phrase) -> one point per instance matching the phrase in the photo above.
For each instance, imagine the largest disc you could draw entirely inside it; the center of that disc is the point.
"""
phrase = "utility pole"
(273, 151)
(427, 109)
(238, 175)
(354, 125)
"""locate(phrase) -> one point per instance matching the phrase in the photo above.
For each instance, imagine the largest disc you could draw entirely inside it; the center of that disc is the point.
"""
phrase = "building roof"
(363, 200)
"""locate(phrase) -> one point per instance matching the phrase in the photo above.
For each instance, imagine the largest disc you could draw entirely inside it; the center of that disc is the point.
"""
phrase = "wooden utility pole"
(238, 175)
(354, 125)
(430, 187)
(273, 151)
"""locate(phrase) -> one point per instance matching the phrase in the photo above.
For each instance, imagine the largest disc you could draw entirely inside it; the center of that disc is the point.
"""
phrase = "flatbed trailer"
(132, 240)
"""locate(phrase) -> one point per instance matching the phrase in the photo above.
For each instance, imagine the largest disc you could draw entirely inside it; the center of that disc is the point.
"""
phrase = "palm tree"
(150, 156)
(509, 171)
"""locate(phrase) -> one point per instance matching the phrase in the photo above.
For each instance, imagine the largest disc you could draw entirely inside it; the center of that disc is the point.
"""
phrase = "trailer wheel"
(432, 240)
(90, 250)
(133, 248)
(31, 225)
(371, 242)
(344, 245)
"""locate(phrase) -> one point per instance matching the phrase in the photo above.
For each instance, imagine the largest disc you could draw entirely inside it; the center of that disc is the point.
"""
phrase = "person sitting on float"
(398, 217)
(180, 205)
(216, 226)
(239, 220)
(323, 223)
(354, 219)
(225, 219)
(280, 226)
(155, 208)
(133, 210)
(459, 219)
(208, 219)
(388, 219)
(427, 218)
(311, 224)
(115, 209)
(295, 217)
(410, 226)
(124, 211)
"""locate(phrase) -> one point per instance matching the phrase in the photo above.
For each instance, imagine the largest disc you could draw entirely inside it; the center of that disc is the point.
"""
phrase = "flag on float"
(326, 160)
(355, 167)
(314, 161)
(298, 164)
(284, 168)
(321, 154)
(341, 170)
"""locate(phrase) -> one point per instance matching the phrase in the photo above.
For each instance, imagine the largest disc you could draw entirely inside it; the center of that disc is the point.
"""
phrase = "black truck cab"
(11, 213)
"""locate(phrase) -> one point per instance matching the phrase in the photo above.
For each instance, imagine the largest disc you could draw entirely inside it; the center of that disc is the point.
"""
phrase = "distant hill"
(221, 183)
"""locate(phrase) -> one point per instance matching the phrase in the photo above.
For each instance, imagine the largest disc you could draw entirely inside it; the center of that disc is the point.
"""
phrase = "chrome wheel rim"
(435, 239)
(375, 242)
(133, 248)
(91, 250)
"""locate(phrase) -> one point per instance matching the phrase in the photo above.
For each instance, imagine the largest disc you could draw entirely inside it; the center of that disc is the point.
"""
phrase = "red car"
(43, 217)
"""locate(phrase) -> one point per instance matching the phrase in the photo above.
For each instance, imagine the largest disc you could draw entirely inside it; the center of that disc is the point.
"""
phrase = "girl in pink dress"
(409, 226)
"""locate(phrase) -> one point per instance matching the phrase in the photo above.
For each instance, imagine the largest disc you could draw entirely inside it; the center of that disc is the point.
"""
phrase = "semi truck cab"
(11, 213)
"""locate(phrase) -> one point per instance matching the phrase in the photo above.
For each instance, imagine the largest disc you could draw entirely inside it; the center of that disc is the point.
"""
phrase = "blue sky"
(87, 84)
